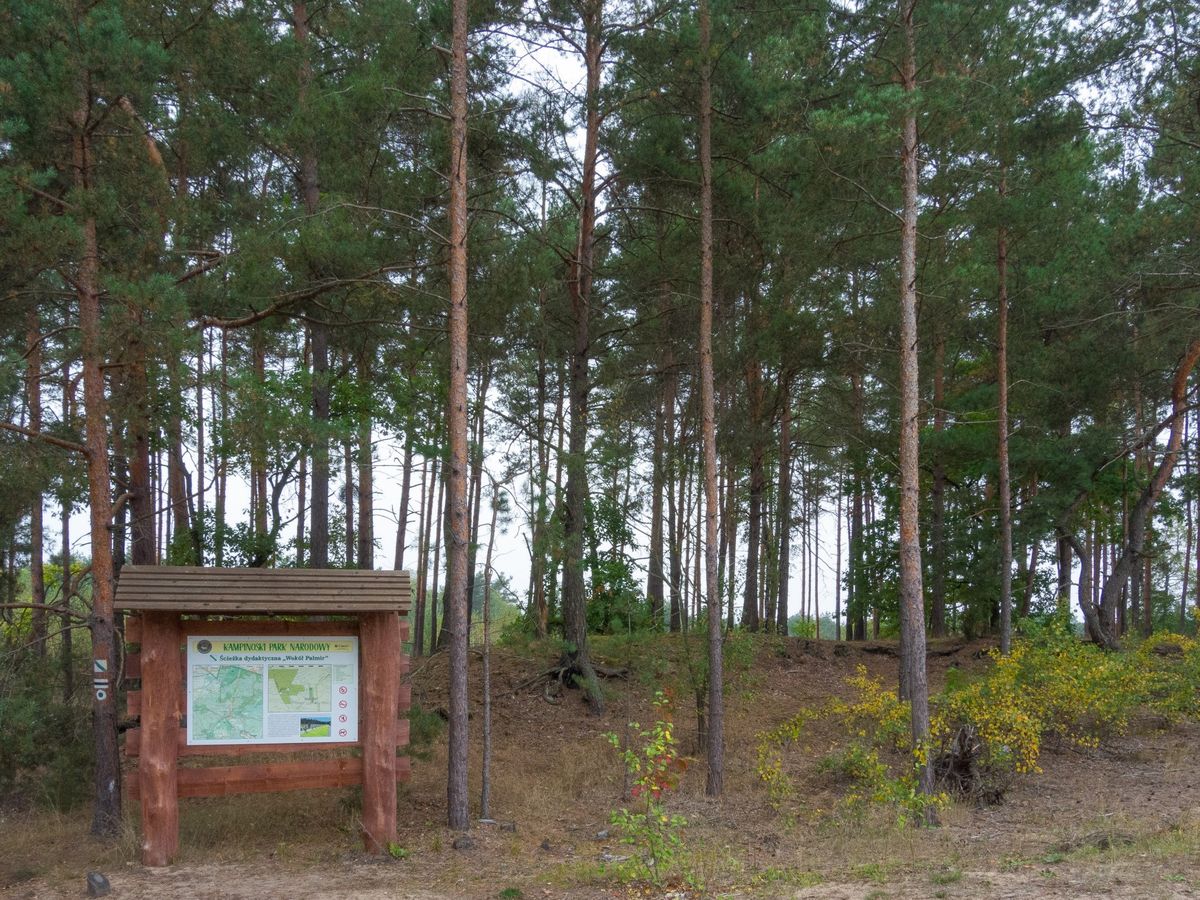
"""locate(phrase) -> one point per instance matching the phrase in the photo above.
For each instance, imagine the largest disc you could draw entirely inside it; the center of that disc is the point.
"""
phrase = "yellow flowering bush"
(878, 723)
(1170, 665)
(984, 730)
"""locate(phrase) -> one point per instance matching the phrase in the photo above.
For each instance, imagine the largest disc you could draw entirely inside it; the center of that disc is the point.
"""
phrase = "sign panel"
(272, 690)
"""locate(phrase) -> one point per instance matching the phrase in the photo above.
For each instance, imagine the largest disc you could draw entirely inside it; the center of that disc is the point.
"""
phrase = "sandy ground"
(1120, 822)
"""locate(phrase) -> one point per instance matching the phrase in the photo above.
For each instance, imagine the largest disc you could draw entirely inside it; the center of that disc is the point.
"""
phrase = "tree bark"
(106, 814)
(37, 576)
(405, 487)
(457, 549)
(780, 625)
(310, 195)
(654, 578)
(1004, 492)
(750, 619)
(715, 736)
(485, 790)
(575, 655)
(912, 608)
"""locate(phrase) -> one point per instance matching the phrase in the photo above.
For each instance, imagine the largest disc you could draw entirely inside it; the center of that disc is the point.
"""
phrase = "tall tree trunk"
(424, 522)
(780, 625)
(674, 515)
(458, 536)
(715, 737)
(366, 496)
(310, 195)
(37, 577)
(1187, 552)
(539, 549)
(654, 578)
(1139, 516)
(485, 789)
(439, 515)
(302, 478)
(837, 571)
(106, 814)
(180, 536)
(1004, 498)
(405, 486)
(476, 487)
(258, 457)
(575, 657)
(731, 525)
(221, 463)
(750, 620)
(199, 525)
(348, 495)
(142, 551)
(912, 607)
(66, 650)
(856, 600)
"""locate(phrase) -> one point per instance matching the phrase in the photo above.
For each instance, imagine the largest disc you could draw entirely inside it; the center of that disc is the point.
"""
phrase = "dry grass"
(556, 778)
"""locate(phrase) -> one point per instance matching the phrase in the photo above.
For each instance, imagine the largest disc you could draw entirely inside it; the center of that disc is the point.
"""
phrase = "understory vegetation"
(988, 728)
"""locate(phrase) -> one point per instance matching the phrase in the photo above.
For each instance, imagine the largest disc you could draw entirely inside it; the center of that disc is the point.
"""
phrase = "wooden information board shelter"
(169, 604)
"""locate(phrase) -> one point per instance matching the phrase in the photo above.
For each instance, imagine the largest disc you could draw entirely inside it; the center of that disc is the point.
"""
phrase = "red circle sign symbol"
(342, 704)
(342, 733)
(343, 690)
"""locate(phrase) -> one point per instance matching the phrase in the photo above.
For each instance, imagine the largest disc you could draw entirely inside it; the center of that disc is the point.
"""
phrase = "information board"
(271, 690)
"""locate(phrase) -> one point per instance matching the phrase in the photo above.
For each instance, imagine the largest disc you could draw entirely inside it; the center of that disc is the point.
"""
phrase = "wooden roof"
(194, 589)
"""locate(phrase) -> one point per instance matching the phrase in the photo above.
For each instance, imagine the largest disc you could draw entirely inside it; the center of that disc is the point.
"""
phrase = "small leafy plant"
(654, 765)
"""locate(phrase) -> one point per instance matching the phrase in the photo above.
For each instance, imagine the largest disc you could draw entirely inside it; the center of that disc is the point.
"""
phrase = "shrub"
(986, 730)
(654, 766)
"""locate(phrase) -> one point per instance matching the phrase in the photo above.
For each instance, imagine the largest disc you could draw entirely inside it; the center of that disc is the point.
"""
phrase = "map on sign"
(227, 703)
(272, 690)
(300, 689)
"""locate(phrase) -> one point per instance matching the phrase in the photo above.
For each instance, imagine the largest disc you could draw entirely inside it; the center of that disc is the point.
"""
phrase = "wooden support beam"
(270, 627)
(133, 744)
(224, 781)
(379, 690)
(158, 767)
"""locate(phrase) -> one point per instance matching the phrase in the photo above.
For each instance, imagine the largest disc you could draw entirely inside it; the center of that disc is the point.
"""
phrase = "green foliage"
(46, 754)
(425, 727)
(654, 766)
(1051, 687)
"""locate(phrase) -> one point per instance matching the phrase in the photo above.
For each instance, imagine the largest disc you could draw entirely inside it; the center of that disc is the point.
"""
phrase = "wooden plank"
(257, 627)
(133, 743)
(133, 704)
(404, 697)
(222, 781)
(242, 605)
(379, 688)
(327, 589)
(157, 767)
(133, 629)
(133, 665)
(207, 571)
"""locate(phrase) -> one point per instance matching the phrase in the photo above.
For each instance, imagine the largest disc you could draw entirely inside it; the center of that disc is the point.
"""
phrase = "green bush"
(46, 754)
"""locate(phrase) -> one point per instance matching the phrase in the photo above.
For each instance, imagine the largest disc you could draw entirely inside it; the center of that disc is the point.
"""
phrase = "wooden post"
(379, 687)
(162, 690)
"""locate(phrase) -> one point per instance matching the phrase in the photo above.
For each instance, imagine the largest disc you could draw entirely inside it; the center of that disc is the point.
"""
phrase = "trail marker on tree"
(219, 679)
